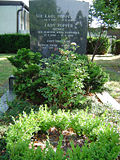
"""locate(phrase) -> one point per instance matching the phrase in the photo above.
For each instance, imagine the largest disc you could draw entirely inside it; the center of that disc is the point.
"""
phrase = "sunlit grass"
(111, 64)
(114, 76)
(6, 69)
(3, 56)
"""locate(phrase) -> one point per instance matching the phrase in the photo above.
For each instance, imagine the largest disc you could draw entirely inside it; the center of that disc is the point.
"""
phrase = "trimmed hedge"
(103, 46)
(116, 47)
(10, 43)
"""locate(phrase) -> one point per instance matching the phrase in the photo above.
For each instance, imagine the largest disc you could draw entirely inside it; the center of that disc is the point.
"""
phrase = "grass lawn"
(111, 64)
(5, 55)
(6, 70)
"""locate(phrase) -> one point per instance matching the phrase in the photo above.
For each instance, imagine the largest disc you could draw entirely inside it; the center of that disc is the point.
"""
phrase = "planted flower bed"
(61, 82)
(90, 136)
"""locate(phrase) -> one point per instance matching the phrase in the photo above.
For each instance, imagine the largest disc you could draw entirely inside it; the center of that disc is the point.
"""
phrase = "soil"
(53, 135)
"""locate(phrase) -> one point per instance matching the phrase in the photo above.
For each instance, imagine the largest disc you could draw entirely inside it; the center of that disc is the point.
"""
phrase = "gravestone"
(9, 96)
(53, 22)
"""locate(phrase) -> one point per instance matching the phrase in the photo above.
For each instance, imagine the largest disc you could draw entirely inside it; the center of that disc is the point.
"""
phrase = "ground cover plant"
(101, 142)
(90, 119)
(16, 107)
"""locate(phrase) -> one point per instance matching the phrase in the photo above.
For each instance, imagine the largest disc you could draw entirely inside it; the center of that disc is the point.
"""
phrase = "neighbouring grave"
(9, 96)
(54, 21)
(105, 98)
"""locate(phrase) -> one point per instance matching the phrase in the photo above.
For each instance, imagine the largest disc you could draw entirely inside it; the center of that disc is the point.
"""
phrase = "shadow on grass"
(114, 62)
(112, 66)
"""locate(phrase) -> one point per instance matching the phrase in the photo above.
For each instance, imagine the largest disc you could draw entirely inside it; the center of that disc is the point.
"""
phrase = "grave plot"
(84, 135)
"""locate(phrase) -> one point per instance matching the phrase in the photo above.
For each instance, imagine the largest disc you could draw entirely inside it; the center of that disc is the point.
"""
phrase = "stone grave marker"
(8, 96)
(54, 21)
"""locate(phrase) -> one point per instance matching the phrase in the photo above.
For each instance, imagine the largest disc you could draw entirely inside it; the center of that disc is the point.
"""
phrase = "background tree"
(107, 13)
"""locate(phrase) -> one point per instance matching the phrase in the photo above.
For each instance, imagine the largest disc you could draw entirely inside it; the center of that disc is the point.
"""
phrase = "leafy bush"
(10, 43)
(116, 47)
(101, 149)
(25, 57)
(64, 77)
(23, 151)
(61, 80)
(103, 45)
(96, 78)
(104, 144)
(28, 77)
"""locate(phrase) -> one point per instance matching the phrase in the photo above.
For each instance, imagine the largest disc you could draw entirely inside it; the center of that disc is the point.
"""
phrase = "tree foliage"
(107, 11)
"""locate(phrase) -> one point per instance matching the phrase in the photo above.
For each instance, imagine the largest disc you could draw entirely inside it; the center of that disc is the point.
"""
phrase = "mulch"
(53, 135)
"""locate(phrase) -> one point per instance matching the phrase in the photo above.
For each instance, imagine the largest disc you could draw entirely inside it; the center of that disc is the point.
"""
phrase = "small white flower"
(73, 44)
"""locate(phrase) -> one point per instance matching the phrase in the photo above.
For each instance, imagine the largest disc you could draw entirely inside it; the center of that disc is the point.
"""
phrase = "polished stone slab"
(53, 22)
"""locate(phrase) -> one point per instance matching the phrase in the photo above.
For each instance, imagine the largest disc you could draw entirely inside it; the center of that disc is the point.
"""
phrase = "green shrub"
(23, 152)
(64, 77)
(60, 81)
(108, 150)
(116, 47)
(10, 43)
(24, 58)
(96, 78)
(4, 155)
(104, 149)
(104, 144)
(28, 77)
(103, 45)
